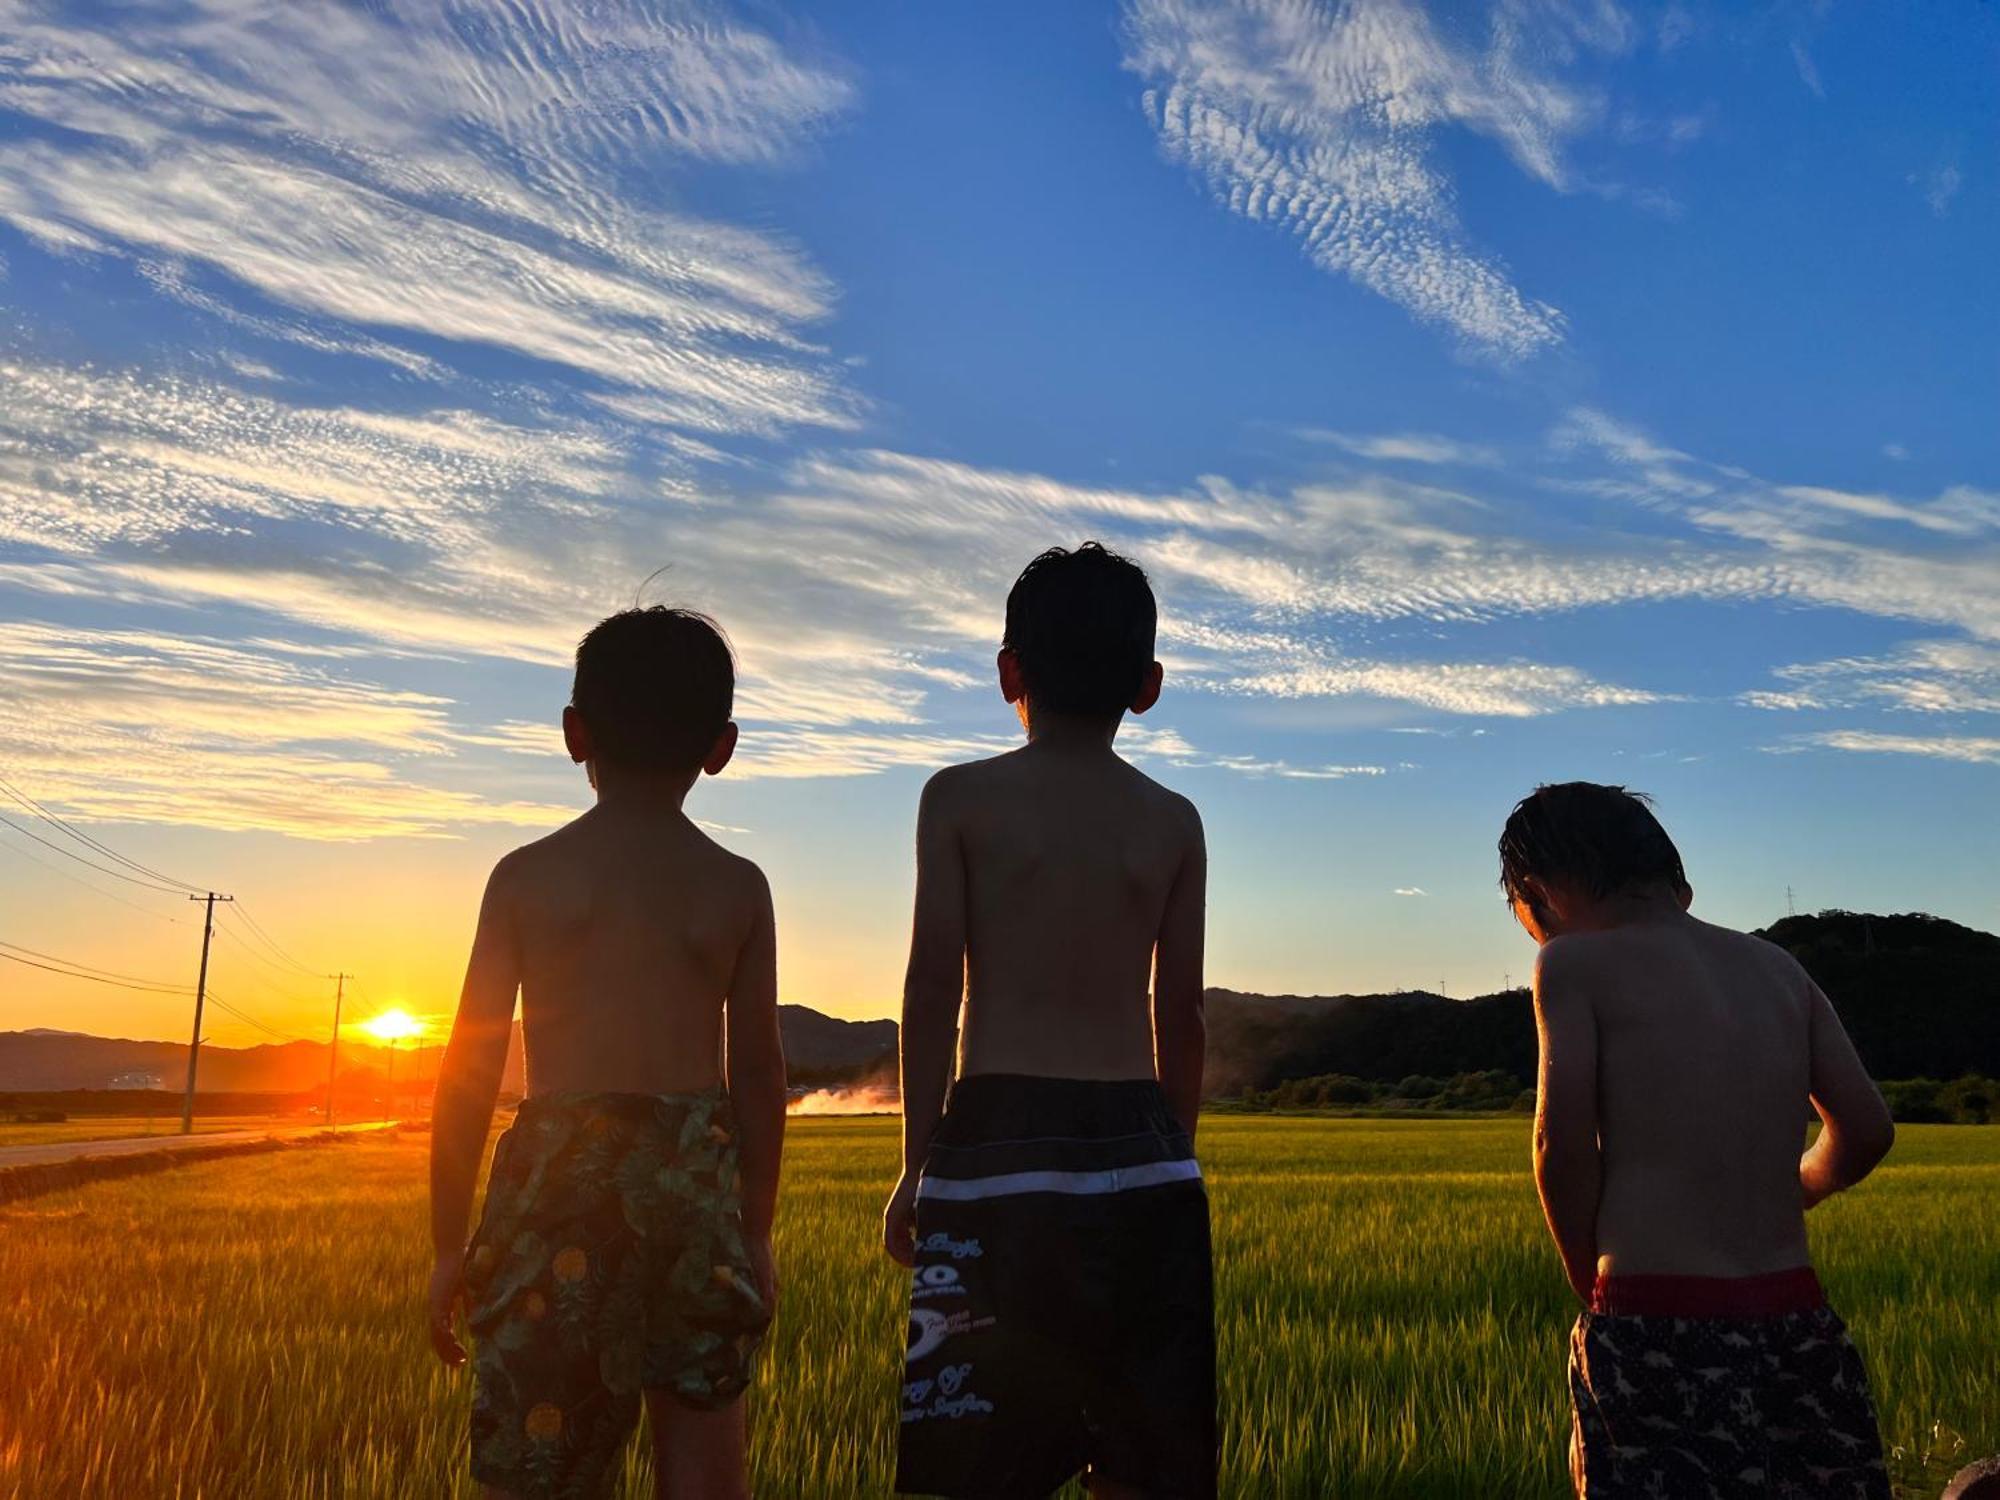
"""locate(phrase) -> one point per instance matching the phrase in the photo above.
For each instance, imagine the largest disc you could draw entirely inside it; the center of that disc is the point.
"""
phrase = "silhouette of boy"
(624, 1247)
(1677, 1062)
(1061, 1306)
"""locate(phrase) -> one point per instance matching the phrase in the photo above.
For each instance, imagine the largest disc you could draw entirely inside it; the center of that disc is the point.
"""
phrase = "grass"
(1392, 1322)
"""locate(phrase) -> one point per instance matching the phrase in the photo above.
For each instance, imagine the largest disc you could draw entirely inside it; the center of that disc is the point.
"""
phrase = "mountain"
(821, 1049)
(1260, 1041)
(1920, 996)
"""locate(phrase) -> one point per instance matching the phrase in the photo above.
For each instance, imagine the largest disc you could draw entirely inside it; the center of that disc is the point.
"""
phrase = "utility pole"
(333, 1051)
(200, 995)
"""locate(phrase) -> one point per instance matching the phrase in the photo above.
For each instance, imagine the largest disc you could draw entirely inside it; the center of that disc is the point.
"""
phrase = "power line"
(249, 1020)
(144, 986)
(270, 963)
(272, 943)
(83, 838)
(170, 890)
(35, 858)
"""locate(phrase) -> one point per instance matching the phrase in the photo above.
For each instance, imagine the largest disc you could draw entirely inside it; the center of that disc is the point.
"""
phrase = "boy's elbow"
(1880, 1140)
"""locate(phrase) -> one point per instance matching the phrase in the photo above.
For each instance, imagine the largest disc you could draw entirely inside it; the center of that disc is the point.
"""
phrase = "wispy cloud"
(396, 177)
(1406, 447)
(152, 727)
(1932, 677)
(1971, 749)
(1318, 118)
(1410, 890)
(1808, 70)
(863, 587)
(1939, 186)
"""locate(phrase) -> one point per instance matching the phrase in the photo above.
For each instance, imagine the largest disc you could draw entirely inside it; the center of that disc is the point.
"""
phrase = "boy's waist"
(1773, 1295)
(1005, 1134)
(567, 1109)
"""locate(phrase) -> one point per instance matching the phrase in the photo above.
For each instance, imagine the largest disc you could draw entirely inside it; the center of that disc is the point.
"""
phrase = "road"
(143, 1145)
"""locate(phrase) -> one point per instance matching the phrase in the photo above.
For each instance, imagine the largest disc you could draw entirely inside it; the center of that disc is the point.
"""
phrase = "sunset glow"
(393, 1026)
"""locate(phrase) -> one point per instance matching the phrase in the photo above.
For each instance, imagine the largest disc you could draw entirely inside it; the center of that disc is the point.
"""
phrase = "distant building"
(135, 1081)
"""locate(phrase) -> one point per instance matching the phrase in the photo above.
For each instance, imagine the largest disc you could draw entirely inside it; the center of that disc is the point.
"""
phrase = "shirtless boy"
(625, 1244)
(1061, 1306)
(1677, 1063)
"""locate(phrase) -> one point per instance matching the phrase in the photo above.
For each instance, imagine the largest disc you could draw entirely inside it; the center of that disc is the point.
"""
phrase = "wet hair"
(1602, 839)
(1081, 624)
(655, 687)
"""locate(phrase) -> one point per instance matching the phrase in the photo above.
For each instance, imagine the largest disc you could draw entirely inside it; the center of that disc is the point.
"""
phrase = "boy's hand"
(447, 1286)
(764, 1271)
(899, 1222)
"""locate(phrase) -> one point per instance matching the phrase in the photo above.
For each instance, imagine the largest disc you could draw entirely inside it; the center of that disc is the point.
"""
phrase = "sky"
(1495, 394)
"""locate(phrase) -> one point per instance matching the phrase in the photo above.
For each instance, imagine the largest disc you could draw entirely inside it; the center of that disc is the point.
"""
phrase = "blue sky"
(1495, 394)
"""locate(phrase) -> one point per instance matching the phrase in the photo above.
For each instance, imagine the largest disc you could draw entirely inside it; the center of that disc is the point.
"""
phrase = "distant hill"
(1919, 994)
(1260, 1041)
(821, 1049)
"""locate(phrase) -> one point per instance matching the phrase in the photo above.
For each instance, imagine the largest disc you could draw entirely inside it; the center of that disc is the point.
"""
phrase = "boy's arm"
(756, 1070)
(468, 1083)
(1180, 1033)
(1858, 1131)
(933, 988)
(1569, 1170)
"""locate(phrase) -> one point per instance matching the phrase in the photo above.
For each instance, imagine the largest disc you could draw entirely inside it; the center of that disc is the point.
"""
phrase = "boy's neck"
(642, 791)
(1050, 731)
(1630, 909)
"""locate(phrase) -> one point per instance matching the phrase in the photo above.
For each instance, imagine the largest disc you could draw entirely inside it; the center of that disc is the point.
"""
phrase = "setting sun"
(393, 1026)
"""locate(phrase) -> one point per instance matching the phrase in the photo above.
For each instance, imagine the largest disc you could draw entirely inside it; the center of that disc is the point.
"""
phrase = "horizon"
(1585, 393)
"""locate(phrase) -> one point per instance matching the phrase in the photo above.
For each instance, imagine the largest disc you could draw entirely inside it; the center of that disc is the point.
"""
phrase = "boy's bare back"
(1704, 1068)
(629, 932)
(1071, 859)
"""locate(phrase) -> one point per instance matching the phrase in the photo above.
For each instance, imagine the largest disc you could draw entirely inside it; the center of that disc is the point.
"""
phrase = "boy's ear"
(1684, 893)
(1149, 690)
(723, 749)
(576, 735)
(1013, 686)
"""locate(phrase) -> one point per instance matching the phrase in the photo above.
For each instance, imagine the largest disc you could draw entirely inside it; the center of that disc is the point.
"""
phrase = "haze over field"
(1550, 390)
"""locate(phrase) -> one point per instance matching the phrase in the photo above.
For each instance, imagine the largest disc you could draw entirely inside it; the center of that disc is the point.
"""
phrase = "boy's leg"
(698, 1455)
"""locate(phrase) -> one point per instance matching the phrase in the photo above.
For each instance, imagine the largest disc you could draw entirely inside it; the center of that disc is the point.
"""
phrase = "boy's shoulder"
(558, 857)
(978, 781)
(1579, 962)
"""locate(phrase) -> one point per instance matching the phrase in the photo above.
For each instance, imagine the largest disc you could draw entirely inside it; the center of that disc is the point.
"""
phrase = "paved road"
(143, 1145)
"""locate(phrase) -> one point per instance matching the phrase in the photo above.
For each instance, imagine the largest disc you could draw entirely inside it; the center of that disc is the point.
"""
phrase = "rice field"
(1392, 1323)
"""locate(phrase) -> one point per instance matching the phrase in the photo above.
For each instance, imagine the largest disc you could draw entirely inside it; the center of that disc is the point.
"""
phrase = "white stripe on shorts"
(1007, 1184)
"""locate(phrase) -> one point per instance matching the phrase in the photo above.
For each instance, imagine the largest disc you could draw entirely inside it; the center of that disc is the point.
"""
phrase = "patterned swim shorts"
(1692, 1388)
(609, 1261)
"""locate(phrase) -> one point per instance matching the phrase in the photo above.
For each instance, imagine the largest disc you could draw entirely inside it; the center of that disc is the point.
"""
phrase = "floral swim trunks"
(609, 1261)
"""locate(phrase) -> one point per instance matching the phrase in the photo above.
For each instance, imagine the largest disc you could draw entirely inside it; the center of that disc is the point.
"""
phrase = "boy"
(1677, 1062)
(625, 1245)
(1061, 1307)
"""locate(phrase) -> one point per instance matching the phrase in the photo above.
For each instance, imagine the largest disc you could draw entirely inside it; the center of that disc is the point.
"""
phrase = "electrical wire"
(86, 839)
(142, 986)
(53, 869)
(171, 890)
(272, 943)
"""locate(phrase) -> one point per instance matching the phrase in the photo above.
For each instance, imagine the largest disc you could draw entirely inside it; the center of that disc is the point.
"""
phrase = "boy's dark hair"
(1081, 624)
(655, 687)
(1602, 839)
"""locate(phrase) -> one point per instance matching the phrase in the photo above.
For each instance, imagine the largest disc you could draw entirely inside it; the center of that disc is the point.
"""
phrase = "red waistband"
(1772, 1296)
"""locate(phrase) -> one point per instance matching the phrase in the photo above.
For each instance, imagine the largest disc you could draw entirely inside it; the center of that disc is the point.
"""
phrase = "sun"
(393, 1026)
